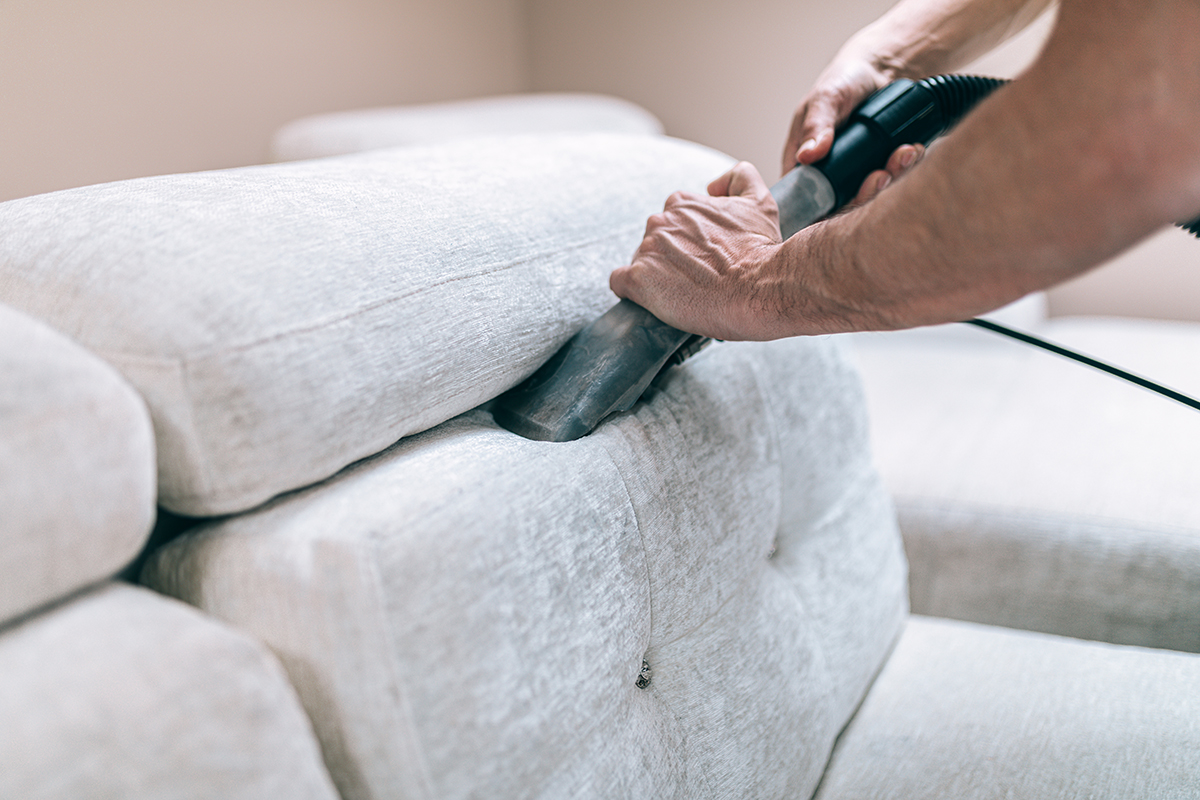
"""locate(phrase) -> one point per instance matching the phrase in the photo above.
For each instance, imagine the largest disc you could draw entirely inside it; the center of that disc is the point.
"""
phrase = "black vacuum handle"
(903, 112)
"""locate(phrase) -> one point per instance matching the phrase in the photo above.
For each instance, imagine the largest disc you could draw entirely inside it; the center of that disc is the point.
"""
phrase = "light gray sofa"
(1032, 493)
(396, 599)
(1037, 493)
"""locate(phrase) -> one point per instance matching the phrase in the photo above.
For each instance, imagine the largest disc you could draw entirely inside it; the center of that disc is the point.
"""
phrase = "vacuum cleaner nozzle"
(605, 368)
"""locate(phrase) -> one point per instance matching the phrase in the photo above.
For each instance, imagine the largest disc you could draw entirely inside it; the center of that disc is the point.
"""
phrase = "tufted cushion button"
(644, 677)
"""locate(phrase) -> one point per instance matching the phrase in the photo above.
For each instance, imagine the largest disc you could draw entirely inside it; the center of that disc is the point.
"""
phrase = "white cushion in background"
(283, 321)
(76, 467)
(125, 694)
(467, 614)
(1037, 493)
(372, 128)
(967, 712)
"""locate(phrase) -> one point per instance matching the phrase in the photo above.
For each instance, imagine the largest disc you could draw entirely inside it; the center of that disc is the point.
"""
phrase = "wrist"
(822, 289)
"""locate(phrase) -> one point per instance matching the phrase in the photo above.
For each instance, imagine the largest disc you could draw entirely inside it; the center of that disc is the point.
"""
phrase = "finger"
(720, 186)
(904, 158)
(815, 121)
(811, 135)
(874, 183)
(741, 181)
(681, 198)
(620, 280)
(815, 147)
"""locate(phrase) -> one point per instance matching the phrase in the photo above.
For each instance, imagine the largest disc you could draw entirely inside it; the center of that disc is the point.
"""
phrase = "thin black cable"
(961, 93)
(1088, 360)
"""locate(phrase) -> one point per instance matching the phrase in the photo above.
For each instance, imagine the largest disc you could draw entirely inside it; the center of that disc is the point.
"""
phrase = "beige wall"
(724, 74)
(729, 74)
(95, 90)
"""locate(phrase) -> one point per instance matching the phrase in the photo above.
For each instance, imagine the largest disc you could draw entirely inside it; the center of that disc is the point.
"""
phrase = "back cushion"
(122, 693)
(284, 321)
(468, 613)
(76, 467)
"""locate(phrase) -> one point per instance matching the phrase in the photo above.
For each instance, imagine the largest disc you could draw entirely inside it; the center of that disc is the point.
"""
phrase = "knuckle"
(679, 198)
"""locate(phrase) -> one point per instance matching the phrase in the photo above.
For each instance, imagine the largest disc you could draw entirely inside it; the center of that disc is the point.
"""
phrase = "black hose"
(957, 94)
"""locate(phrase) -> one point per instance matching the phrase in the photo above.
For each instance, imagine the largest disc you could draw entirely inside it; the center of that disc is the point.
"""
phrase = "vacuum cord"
(1138, 380)
(956, 95)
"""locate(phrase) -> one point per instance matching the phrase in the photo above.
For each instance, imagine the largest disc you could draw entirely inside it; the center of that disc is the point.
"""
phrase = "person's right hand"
(843, 85)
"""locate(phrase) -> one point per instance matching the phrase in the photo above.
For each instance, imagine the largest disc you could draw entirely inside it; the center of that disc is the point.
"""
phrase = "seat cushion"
(284, 321)
(124, 693)
(1040, 494)
(966, 712)
(484, 604)
(373, 128)
(76, 467)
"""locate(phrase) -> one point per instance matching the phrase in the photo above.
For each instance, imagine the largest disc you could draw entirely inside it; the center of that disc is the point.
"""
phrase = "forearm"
(918, 38)
(1091, 150)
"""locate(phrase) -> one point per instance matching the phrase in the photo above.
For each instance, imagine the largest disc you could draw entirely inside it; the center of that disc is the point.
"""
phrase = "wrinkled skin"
(1090, 151)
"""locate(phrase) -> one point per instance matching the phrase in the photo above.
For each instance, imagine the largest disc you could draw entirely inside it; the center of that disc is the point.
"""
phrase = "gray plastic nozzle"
(605, 367)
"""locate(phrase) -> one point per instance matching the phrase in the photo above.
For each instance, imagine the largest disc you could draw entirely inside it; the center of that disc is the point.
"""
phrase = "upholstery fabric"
(76, 467)
(122, 693)
(967, 712)
(286, 320)
(467, 614)
(1040, 494)
(373, 128)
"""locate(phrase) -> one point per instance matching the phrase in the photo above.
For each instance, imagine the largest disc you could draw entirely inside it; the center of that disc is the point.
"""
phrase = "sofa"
(1037, 493)
(359, 586)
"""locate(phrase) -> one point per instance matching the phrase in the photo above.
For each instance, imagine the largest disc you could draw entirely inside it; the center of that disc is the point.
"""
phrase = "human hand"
(843, 85)
(704, 263)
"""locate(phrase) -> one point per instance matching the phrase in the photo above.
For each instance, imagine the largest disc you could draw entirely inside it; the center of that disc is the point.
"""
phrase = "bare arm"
(1095, 147)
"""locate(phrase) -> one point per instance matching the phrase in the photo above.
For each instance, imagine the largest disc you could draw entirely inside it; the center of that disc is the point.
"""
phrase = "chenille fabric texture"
(286, 320)
(76, 467)
(969, 711)
(1037, 493)
(123, 693)
(468, 613)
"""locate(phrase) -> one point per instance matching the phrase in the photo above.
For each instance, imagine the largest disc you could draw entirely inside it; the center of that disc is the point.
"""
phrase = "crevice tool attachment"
(607, 366)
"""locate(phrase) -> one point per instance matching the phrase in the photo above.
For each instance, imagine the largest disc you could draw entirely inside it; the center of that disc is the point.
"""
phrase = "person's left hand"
(705, 263)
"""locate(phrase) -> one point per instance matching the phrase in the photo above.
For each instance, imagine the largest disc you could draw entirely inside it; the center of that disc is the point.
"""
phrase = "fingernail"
(807, 147)
(883, 181)
(907, 159)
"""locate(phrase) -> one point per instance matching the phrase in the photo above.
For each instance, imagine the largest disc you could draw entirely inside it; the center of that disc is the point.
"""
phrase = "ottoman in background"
(373, 128)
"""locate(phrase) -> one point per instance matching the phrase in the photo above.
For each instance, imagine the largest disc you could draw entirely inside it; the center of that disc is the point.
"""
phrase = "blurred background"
(100, 90)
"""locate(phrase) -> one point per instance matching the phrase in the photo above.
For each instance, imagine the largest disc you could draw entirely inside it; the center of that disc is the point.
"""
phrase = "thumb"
(741, 181)
(812, 133)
